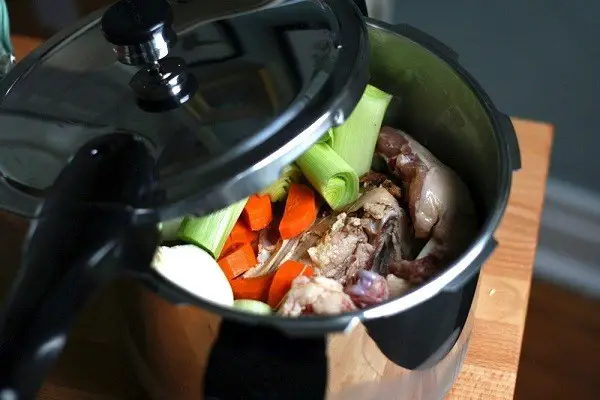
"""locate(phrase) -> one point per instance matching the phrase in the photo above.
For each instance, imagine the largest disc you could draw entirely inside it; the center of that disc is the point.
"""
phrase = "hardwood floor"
(561, 348)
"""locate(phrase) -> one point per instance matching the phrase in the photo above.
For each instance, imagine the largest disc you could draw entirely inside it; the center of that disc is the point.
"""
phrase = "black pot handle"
(252, 362)
(87, 231)
(422, 336)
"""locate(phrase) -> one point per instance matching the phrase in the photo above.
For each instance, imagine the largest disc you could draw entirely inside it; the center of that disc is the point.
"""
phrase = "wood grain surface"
(490, 371)
(561, 350)
(94, 365)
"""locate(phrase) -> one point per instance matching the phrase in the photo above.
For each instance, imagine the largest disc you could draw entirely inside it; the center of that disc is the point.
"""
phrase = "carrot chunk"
(282, 281)
(239, 260)
(240, 234)
(300, 211)
(252, 288)
(258, 213)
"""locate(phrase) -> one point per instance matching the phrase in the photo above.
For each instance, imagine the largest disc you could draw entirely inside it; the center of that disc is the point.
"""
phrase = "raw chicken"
(440, 205)
(315, 295)
(370, 288)
(396, 286)
(359, 235)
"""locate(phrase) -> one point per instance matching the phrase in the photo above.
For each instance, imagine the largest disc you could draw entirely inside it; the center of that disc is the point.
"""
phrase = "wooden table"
(93, 366)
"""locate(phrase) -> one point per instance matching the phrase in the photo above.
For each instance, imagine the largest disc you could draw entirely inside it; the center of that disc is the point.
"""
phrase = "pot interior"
(435, 104)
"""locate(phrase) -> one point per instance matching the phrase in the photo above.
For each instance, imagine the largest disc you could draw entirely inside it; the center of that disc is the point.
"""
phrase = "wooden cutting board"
(94, 367)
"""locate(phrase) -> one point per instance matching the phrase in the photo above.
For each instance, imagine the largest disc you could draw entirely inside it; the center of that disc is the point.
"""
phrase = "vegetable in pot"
(240, 234)
(355, 140)
(282, 280)
(300, 212)
(330, 175)
(258, 213)
(211, 231)
(278, 191)
(253, 307)
(252, 288)
(238, 260)
(194, 270)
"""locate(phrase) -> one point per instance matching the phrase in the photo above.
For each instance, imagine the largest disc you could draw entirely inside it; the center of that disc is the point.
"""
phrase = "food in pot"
(253, 306)
(369, 288)
(315, 295)
(194, 270)
(358, 236)
(332, 235)
(440, 205)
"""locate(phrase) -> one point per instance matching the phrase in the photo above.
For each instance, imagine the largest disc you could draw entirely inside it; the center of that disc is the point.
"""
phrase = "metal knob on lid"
(140, 30)
(163, 86)
(142, 34)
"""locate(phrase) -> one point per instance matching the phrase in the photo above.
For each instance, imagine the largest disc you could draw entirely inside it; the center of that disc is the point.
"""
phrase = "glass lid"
(223, 104)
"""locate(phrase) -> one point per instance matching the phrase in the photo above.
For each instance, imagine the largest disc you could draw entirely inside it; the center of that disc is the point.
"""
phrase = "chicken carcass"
(370, 288)
(315, 295)
(359, 235)
(271, 256)
(440, 205)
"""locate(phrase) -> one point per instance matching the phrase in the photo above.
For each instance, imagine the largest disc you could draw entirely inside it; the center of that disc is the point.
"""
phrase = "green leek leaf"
(253, 307)
(278, 191)
(211, 231)
(327, 137)
(356, 139)
(330, 175)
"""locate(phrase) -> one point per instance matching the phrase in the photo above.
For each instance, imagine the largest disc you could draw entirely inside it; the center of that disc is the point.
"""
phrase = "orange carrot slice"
(300, 211)
(258, 213)
(240, 234)
(239, 260)
(282, 281)
(252, 288)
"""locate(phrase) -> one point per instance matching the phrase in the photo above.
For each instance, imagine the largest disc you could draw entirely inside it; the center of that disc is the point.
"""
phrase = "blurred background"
(537, 60)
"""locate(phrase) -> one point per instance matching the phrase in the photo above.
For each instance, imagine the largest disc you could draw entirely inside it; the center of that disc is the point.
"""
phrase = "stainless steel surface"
(442, 106)
(147, 52)
(270, 84)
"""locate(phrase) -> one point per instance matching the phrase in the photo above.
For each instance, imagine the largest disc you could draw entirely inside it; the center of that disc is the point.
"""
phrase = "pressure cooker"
(150, 110)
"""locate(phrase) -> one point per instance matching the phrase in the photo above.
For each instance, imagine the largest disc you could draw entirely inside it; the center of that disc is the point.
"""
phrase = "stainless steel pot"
(96, 204)
(426, 330)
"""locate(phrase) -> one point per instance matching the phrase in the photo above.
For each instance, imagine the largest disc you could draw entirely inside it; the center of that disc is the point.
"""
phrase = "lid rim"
(304, 120)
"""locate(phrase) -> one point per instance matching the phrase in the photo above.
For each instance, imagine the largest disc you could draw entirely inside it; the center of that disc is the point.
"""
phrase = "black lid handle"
(92, 226)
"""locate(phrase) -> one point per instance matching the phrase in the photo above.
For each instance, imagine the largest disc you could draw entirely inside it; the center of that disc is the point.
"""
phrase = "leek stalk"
(355, 140)
(278, 190)
(327, 137)
(211, 231)
(330, 175)
(253, 307)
